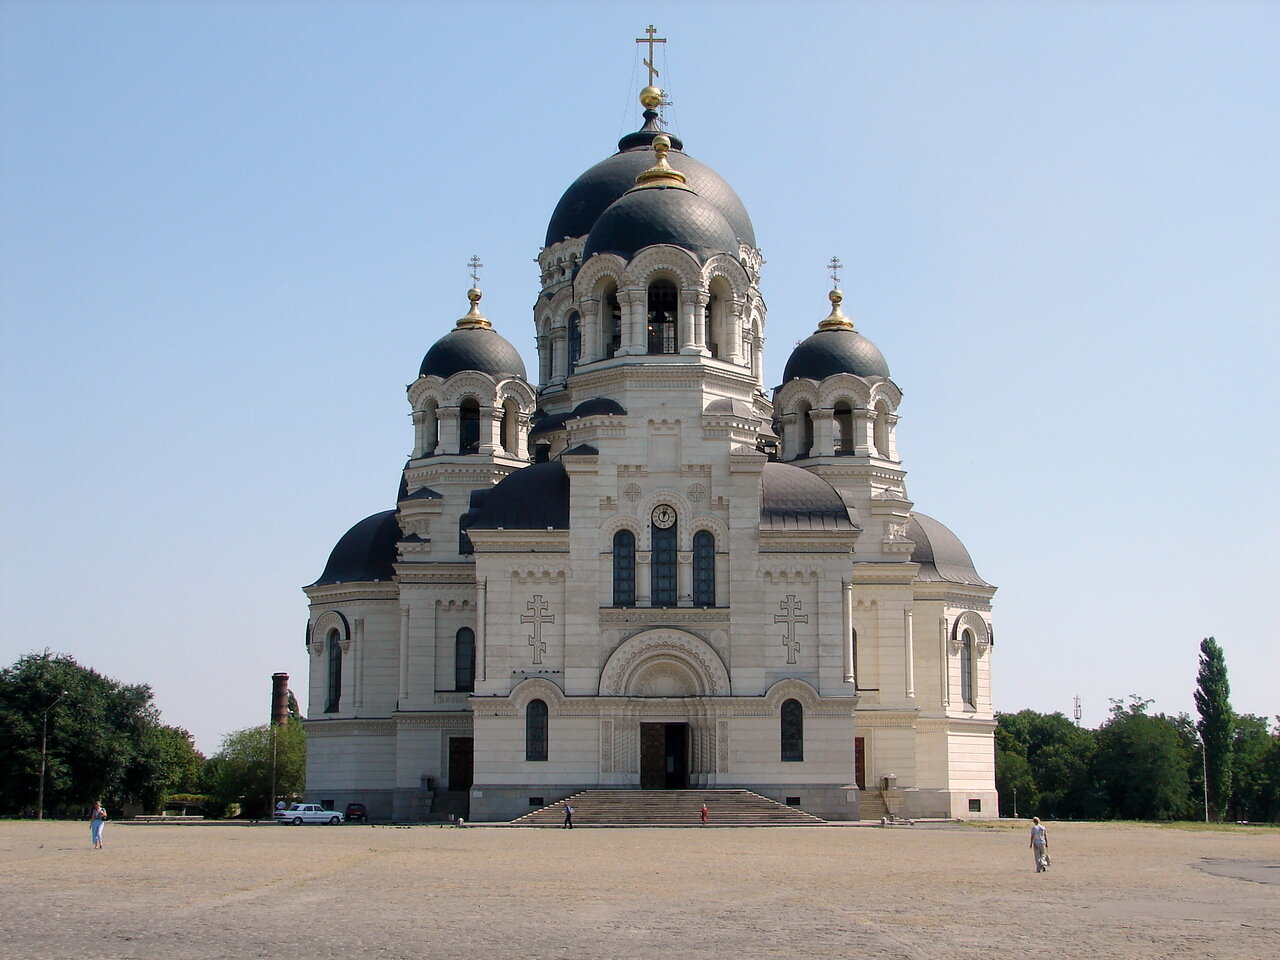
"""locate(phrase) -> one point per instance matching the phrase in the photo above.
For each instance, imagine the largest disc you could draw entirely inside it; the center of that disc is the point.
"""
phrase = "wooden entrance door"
(664, 756)
(461, 754)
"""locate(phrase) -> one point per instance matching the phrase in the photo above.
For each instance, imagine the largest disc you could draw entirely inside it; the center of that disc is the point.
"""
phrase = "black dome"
(795, 499)
(829, 352)
(673, 215)
(472, 348)
(593, 192)
(365, 552)
(941, 555)
(532, 498)
(597, 406)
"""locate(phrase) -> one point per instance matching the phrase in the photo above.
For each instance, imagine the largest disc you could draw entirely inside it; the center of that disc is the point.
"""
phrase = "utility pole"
(1204, 774)
(44, 749)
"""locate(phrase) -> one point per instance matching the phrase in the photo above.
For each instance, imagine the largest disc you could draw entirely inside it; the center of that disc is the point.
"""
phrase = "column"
(644, 593)
(634, 305)
(684, 578)
(910, 654)
(404, 656)
(824, 444)
(482, 596)
(490, 431)
(731, 349)
(358, 698)
(419, 433)
(850, 668)
(448, 436)
(591, 337)
(544, 359)
(863, 424)
(944, 663)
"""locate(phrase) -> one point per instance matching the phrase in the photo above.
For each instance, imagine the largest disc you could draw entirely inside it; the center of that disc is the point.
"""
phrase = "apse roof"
(792, 498)
(365, 552)
(941, 555)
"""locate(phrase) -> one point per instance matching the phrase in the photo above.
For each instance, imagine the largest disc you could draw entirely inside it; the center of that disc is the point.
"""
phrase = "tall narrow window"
(465, 547)
(431, 429)
(844, 428)
(333, 698)
(535, 730)
(469, 426)
(575, 341)
(612, 322)
(805, 425)
(624, 569)
(704, 569)
(662, 566)
(966, 666)
(713, 325)
(662, 316)
(792, 731)
(464, 660)
(882, 429)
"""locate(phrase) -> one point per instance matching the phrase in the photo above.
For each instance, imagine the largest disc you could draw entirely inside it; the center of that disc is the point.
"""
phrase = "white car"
(308, 813)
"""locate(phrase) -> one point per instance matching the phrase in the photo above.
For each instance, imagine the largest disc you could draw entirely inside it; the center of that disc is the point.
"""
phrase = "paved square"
(353, 892)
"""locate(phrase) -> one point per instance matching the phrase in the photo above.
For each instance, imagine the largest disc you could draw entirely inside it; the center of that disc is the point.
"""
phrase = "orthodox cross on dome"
(790, 615)
(537, 615)
(651, 38)
(835, 266)
(475, 265)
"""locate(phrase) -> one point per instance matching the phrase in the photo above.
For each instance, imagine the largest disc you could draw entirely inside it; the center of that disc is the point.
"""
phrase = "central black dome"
(674, 215)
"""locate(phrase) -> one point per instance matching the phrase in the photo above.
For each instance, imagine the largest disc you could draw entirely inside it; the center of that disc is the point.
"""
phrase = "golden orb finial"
(474, 318)
(661, 174)
(836, 320)
(651, 98)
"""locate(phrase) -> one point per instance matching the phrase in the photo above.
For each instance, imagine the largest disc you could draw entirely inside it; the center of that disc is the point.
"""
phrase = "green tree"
(1141, 764)
(1255, 778)
(1058, 755)
(240, 772)
(100, 737)
(1213, 703)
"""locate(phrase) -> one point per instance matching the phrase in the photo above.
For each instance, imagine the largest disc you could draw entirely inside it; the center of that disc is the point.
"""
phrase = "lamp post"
(44, 746)
(1204, 774)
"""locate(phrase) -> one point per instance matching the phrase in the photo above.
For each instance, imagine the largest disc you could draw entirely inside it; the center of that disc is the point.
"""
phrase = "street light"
(44, 745)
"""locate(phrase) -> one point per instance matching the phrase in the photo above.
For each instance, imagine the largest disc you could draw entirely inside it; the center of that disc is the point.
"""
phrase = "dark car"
(356, 813)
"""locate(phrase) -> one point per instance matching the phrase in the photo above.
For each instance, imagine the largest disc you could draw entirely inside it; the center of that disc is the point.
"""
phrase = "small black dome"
(472, 348)
(532, 498)
(550, 424)
(593, 192)
(597, 406)
(659, 214)
(795, 499)
(829, 352)
(941, 555)
(365, 552)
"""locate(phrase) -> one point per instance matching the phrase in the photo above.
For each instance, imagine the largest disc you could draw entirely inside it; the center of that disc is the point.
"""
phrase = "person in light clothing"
(97, 817)
(1039, 844)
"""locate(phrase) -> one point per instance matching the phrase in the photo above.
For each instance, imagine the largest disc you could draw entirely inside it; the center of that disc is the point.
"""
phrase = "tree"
(240, 772)
(1141, 764)
(1213, 703)
(101, 739)
(1058, 755)
(1255, 776)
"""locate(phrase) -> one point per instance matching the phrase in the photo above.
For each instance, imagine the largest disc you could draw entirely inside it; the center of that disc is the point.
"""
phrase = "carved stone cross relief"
(790, 615)
(537, 615)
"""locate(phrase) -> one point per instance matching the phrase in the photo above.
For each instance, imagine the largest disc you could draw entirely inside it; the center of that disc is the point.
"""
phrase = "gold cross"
(651, 39)
(834, 266)
(475, 265)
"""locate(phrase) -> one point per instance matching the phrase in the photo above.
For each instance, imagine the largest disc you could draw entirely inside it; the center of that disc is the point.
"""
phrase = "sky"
(230, 231)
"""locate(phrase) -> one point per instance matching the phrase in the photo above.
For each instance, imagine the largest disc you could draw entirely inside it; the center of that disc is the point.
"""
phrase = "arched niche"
(664, 660)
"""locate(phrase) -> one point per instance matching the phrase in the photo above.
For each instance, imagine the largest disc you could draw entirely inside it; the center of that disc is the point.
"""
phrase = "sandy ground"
(352, 892)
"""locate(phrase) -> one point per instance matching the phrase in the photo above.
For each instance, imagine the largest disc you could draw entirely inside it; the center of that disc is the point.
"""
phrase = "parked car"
(356, 813)
(301, 813)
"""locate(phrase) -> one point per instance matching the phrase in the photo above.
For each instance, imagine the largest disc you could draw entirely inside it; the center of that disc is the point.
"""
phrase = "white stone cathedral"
(638, 570)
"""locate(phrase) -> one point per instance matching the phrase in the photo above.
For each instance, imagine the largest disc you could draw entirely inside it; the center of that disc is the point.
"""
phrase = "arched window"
(704, 569)
(535, 730)
(624, 569)
(465, 546)
(511, 427)
(714, 324)
(469, 426)
(882, 429)
(430, 428)
(575, 341)
(662, 566)
(792, 731)
(464, 660)
(662, 316)
(611, 321)
(844, 428)
(333, 698)
(966, 666)
(804, 423)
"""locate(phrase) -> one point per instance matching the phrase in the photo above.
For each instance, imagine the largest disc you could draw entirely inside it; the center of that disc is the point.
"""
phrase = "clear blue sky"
(230, 231)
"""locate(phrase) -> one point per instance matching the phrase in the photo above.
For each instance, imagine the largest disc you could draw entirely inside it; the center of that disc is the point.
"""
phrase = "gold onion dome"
(836, 320)
(474, 319)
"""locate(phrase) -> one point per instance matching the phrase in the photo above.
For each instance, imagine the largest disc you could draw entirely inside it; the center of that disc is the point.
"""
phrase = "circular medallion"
(631, 491)
(663, 517)
(697, 492)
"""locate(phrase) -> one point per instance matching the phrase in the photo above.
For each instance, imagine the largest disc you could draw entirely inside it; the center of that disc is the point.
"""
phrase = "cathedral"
(638, 568)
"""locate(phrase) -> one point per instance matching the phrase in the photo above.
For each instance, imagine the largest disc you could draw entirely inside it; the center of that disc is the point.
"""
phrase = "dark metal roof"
(365, 552)
(673, 215)
(593, 192)
(582, 450)
(423, 493)
(597, 406)
(550, 424)
(532, 498)
(472, 348)
(829, 352)
(736, 408)
(941, 555)
(792, 498)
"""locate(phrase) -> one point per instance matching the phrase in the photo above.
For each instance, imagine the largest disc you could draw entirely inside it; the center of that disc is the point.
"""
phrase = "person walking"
(97, 817)
(568, 816)
(1039, 844)
(704, 814)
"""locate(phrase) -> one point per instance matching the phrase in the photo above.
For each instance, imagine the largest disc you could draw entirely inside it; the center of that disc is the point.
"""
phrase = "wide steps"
(669, 808)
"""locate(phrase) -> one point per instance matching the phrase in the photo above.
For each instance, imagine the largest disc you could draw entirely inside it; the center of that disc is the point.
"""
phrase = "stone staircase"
(669, 808)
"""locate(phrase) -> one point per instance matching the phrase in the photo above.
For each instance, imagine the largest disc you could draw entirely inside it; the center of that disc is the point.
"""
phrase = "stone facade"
(639, 569)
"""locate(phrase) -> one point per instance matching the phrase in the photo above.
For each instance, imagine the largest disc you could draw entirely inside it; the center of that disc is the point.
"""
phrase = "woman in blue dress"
(96, 820)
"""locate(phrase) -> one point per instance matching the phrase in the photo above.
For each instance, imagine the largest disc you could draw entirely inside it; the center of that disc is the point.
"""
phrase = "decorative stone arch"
(845, 386)
(793, 391)
(664, 662)
(323, 624)
(422, 390)
(885, 390)
(972, 621)
(596, 273)
(644, 510)
(792, 688)
(722, 265)
(519, 391)
(651, 262)
(615, 523)
(469, 383)
(712, 524)
(537, 688)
